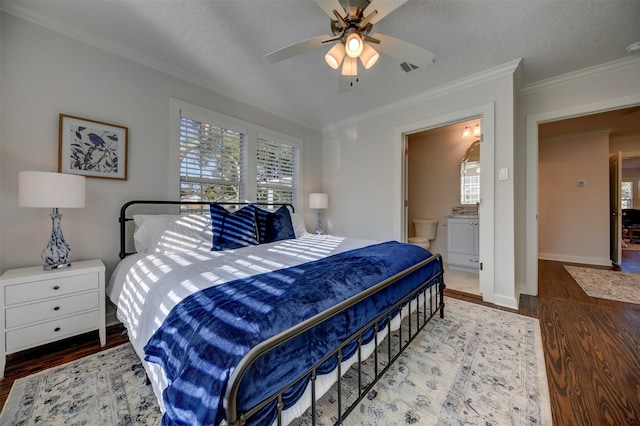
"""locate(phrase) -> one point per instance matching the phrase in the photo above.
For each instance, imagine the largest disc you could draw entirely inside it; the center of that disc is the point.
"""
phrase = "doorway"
(486, 204)
(439, 182)
(599, 136)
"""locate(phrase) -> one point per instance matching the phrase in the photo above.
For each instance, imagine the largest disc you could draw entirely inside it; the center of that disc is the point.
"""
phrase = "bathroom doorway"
(439, 186)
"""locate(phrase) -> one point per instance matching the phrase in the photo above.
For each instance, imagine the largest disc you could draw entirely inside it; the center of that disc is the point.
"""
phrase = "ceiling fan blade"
(329, 6)
(404, 50)
(295, 49)
(384, 7)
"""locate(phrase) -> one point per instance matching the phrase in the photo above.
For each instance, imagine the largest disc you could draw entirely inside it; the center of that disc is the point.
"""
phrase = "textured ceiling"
(222, 42)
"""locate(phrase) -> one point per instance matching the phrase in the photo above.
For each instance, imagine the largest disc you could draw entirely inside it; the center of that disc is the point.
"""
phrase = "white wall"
(362, 170)
(44, 74)
(573, 221)
(602, 88)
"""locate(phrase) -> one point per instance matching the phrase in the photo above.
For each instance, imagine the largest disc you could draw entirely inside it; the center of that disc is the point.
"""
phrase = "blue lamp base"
(57, 254)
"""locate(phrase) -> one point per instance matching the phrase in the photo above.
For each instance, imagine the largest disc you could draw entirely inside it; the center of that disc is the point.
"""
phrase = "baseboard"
(507, 302)
(575, 259)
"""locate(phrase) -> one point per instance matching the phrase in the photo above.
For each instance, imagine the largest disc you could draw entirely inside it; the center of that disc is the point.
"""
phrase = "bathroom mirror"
(470, 174)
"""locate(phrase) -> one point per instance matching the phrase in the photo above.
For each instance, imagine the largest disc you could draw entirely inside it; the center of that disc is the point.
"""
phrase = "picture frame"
(92, 148)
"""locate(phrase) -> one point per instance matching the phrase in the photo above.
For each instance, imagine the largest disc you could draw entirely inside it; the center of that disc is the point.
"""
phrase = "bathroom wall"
(433, 177)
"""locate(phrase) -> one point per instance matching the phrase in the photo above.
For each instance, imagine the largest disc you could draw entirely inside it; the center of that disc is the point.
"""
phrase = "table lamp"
(52, 190)
(318, 201)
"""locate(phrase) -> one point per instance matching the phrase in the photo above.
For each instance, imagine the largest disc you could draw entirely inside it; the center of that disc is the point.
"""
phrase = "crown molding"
(582, 74)
(506, 69)
(23, 12)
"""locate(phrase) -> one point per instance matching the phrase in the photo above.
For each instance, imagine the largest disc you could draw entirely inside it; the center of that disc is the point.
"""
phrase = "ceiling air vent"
(407, 67)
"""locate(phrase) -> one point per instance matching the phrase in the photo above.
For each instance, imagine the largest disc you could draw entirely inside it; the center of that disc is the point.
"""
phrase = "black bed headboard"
(124, 219)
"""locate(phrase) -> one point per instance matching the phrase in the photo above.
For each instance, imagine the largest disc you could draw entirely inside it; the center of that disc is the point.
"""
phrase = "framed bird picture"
(92, 148)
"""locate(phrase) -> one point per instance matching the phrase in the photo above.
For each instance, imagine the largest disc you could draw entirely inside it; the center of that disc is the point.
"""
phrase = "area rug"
(108, 388)
(607, 284)
(476, 366)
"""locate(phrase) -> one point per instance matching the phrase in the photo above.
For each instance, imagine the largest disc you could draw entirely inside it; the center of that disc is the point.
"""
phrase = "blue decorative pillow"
(274, 226)
(233, 230)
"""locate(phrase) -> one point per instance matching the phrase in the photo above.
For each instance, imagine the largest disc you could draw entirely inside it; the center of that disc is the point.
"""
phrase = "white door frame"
(487, 186)
(531, 202)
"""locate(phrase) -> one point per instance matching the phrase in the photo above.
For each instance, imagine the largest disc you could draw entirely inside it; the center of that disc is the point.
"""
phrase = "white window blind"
(276, 174)
(212, 163)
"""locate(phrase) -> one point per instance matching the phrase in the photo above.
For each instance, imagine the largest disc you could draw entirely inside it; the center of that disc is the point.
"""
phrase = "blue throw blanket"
(204, 336)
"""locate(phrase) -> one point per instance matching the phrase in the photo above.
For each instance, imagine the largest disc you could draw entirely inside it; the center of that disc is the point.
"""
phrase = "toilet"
(425, 232)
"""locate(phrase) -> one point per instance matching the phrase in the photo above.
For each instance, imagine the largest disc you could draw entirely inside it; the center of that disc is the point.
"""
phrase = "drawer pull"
(56, 287)
(57, 329)
(57, 308)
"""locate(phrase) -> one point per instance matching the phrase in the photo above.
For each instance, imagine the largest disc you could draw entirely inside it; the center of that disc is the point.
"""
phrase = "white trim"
(531, 184)
(487, 186)
(582, 74)
(575, 259)
(502, 70)
(25, 13)
(507, 302)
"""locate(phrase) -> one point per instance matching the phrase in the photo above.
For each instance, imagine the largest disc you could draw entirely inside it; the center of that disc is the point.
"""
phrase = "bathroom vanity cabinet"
(463, 243)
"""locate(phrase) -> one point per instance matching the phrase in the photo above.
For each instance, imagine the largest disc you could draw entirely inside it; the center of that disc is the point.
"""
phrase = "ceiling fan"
(351, 25)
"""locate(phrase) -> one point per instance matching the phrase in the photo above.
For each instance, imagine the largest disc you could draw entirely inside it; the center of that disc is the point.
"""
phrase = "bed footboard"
(421, 304)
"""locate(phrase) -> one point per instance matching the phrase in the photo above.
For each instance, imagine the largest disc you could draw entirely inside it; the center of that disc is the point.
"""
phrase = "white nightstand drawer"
(48, 309)
(50, 331)
(50, 287)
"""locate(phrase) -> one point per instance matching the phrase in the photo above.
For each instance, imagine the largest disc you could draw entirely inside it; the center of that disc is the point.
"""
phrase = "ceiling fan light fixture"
(369, 56)
(335, 55)
(350, 67)
(353, 45)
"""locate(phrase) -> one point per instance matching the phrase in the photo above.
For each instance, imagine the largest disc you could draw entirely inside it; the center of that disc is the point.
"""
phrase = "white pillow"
(298, 225)
(170, 234)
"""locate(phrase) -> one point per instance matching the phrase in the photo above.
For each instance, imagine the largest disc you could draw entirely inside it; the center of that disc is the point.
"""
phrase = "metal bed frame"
(431, 293)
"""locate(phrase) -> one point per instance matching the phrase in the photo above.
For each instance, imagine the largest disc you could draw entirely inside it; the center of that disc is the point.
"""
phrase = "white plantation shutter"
(224, 159)
(212, 162)
(276, 171)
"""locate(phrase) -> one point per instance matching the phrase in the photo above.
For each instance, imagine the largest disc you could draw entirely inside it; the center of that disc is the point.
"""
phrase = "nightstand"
(41, 306)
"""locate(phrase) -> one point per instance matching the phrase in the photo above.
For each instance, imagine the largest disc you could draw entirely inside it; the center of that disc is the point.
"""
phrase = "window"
(276, 171)
(224, 159)
(626, 200)
(211, 162)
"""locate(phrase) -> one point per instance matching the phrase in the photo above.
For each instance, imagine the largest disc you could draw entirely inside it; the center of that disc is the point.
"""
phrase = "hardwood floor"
(591, 346)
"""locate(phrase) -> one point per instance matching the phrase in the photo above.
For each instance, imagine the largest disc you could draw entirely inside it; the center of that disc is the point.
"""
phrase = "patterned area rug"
(476, 366)
(108, 388)
(607, 284)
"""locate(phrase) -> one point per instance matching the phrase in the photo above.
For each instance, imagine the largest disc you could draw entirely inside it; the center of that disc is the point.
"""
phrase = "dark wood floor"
(591, 347)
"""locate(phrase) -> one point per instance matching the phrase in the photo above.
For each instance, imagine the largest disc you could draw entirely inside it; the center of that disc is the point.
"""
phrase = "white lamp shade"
(350, 67)
(318, 200)
(50, 190)
(335, 55)
(369, 56)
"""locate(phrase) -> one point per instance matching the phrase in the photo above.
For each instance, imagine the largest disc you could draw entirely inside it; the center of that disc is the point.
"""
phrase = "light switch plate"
(503, 174)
